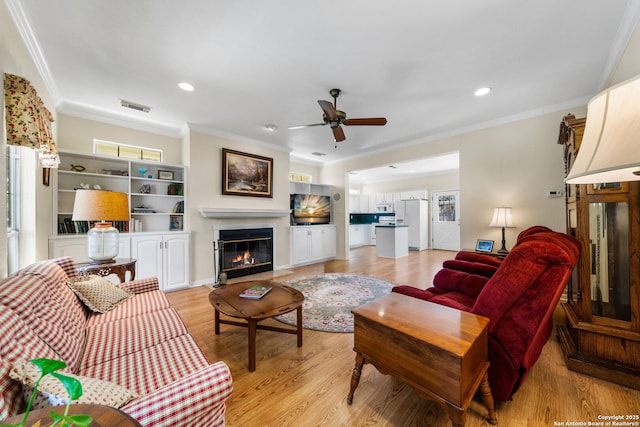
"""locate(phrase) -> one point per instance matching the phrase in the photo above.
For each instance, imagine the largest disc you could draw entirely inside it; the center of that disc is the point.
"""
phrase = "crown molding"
(31, 41)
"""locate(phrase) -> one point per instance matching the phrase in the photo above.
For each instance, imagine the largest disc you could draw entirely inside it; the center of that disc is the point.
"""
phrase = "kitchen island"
(392, 241)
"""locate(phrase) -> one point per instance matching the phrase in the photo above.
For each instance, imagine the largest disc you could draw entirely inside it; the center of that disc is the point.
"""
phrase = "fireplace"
(245, 251)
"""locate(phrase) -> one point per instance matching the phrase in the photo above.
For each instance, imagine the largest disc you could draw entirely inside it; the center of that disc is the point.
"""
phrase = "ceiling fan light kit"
(336, 118)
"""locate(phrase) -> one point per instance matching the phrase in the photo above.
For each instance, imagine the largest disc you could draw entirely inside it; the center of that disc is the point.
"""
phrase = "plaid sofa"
(141, 344)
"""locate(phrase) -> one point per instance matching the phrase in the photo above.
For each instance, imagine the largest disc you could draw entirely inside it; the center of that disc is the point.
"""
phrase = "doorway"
(445, 220)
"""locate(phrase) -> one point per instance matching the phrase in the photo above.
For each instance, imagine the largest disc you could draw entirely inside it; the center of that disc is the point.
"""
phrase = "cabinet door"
(76, 248)
(329, 240)
(316, 244)
(300, 246)
(175, 259)
(147, 250)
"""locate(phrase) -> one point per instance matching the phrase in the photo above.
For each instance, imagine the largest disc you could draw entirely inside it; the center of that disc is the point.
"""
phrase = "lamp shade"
(610, 148)
(100, 205)
(502, 218)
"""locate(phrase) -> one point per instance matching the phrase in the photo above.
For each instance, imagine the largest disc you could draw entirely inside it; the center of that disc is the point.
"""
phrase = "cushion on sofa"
(155, 366)
(51, 391)
(454, 280)
(142, 303)
(132, 334)
(472, 267)
(97, 293)
(38, 294)
(17, 340)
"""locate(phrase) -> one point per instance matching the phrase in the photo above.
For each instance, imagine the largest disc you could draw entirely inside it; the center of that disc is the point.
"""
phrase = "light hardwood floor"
(308, 386)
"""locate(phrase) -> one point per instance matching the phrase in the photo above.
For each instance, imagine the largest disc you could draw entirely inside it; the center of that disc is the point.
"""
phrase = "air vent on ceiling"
(317, 153)
(393, 166)
(134, 106)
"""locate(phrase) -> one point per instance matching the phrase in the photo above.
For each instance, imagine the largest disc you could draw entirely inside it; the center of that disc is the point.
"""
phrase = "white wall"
(15, 59)
(513, 164)
(77, 134)
(205, 191)
(448, 181)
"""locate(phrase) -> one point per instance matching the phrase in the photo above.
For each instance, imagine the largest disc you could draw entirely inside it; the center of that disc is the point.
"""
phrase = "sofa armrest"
(195, 400)
(142, 285)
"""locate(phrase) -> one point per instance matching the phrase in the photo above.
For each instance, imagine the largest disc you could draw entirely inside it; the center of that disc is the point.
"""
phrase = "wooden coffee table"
(280, 300)
(439, 351)
(102, 416)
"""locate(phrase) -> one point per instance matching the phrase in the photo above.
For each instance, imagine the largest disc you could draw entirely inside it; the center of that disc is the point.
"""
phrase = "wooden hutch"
(602, 333)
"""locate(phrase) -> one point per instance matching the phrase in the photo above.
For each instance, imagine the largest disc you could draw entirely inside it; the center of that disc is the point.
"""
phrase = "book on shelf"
(255, 292)
(67, 226)
(179, 207)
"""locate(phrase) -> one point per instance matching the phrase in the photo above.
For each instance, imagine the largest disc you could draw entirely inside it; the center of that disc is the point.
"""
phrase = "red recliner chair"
(519, 299)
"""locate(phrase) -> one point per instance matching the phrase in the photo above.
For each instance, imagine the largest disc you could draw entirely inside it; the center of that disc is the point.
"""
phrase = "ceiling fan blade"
(371, 121)
(328, 109)
(306, 126)
(338, 134)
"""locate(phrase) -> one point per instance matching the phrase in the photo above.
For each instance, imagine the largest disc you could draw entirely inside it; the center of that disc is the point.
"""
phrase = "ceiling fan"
(334, 118)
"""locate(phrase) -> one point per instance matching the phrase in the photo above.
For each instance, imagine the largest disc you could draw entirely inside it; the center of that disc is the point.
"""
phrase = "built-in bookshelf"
(156, 191)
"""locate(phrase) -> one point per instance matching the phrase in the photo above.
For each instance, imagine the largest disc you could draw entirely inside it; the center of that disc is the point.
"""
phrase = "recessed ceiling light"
(482, 91)
(271, 128)
(186, 86)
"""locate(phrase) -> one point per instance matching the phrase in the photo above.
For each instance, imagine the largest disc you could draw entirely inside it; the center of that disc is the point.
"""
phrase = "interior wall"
(205, 188)
(314, 171)
(513, 164)
(15, 59)
(77, 134)
(448, 181)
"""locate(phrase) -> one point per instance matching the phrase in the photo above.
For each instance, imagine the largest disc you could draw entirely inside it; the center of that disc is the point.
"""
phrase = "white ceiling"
(255, 63)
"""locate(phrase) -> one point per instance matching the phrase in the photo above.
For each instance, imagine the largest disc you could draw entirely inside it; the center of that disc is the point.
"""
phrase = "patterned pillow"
(99, 294)
(51, 392)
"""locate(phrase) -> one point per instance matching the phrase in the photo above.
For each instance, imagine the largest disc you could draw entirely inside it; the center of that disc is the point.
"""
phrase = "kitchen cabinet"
(357, 235)
(312, 243)
(165, 256)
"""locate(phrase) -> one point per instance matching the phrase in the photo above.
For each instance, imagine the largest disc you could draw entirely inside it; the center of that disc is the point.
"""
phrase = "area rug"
(329, 299)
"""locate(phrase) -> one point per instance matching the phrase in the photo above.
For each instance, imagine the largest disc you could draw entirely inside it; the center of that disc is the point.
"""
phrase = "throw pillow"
(99, 294)
(51, 392)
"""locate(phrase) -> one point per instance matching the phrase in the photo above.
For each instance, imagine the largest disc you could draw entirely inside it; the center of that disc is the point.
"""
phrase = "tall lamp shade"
(502, 218)
(101, 206)
(610, 148)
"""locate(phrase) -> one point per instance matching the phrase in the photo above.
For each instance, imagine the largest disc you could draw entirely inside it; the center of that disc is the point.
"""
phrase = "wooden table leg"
(216, 321)
(252, 326)
(355, 377)
(299, 325)
(458, 417)
(487, 399)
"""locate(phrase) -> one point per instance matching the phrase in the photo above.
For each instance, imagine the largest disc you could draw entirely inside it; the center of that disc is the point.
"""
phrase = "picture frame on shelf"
(175, 222)
(165, 174)
(245, 174)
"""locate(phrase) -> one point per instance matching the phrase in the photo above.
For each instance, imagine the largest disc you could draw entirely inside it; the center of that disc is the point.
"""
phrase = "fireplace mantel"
(243, 213)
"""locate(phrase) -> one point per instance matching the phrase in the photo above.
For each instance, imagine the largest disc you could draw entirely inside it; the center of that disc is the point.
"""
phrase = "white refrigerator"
(415, 214)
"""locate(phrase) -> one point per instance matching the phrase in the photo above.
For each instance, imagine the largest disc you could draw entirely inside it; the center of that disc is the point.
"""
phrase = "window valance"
(28, 120)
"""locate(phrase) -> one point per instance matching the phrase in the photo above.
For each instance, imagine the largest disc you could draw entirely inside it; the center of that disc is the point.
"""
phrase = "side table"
(103, 416)
(118, 266)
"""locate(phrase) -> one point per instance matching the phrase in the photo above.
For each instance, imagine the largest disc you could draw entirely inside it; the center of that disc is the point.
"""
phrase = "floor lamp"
(101, 206)
(502, 218)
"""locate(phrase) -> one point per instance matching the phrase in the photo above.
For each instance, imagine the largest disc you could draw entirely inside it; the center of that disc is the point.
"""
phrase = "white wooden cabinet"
(357, 235)
(76, 247)
(312, 243)
(165, 256)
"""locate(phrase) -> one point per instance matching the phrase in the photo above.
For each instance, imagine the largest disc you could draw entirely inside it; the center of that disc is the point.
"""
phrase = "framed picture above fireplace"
(245, 174)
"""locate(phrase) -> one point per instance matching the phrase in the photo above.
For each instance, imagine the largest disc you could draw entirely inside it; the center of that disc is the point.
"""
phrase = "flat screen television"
(310, 209)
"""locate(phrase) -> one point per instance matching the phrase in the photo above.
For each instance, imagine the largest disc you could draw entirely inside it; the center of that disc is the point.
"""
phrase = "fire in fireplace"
(245, 251)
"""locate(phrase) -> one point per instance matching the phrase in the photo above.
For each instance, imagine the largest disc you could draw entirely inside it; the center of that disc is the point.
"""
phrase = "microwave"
(384, 207)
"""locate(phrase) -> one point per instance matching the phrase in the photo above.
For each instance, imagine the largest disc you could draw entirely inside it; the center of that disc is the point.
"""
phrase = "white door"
(445, 217)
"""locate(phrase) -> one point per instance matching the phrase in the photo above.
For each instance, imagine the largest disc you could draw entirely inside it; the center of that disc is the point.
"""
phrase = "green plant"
(71, 385)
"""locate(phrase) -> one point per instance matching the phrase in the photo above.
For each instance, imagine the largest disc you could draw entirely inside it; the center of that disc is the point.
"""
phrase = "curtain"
(28, 120)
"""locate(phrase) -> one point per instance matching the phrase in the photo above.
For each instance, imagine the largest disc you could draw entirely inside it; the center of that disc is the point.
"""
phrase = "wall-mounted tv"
(310, 209)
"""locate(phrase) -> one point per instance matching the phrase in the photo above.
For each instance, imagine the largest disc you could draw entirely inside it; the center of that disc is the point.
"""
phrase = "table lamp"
(502, 218)
(101, 206)
(610, 151)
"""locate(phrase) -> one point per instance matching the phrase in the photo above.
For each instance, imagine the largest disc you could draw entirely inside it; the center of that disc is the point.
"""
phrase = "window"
(13, 208)
(299, 177)
(126, 151)
(447, 208)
